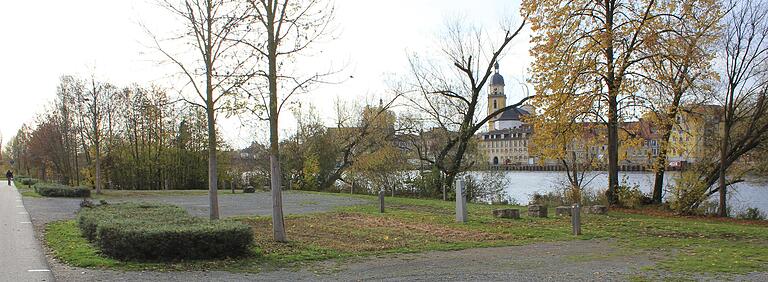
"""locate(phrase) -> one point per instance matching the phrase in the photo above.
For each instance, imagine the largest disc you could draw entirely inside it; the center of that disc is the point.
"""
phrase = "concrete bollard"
(576, 219)
(537, 211)
(507, 213)
(461, 201)
(381, 201)
(598, 209)
(563, 211)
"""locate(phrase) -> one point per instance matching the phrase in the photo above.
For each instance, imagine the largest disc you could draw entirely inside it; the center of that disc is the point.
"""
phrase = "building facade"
(507, 139)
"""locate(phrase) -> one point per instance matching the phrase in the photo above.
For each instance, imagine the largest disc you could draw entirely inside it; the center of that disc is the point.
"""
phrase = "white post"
(461, 201)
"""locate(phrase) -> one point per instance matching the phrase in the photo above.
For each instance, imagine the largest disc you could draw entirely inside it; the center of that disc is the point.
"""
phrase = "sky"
(41, 40)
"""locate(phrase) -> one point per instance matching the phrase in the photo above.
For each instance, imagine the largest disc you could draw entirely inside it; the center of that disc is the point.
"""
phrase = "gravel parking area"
(44, 210)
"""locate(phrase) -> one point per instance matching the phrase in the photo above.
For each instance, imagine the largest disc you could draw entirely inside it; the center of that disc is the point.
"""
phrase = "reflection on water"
(523, 184)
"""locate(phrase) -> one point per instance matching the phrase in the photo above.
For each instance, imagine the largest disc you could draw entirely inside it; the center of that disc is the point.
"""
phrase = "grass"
(684, 245)
(26, 191)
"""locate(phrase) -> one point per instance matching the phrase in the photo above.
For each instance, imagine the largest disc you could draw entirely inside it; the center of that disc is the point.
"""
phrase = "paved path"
(21, 257)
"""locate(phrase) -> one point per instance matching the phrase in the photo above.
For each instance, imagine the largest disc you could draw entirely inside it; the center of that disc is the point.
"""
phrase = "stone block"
(507, 213)
(537, 211)
(563, 211)
(598, 209)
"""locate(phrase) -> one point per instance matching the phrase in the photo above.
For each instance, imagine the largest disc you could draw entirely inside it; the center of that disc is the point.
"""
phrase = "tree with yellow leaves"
(679, 74)
(586, 59)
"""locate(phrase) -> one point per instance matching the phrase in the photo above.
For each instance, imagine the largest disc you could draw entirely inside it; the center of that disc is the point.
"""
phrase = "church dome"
(497, 79)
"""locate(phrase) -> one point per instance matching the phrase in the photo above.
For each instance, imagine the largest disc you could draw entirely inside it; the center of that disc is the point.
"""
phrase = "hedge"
(28, 181)
(58, 190)
(142, 231)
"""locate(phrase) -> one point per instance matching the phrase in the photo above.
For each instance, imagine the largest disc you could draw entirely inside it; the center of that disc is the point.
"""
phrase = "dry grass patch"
(360, 233)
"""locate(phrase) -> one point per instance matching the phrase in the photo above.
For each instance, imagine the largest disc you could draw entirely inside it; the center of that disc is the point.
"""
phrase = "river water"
(522, 185)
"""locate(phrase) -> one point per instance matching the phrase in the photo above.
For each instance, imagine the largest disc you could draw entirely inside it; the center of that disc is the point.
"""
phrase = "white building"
(506, 141)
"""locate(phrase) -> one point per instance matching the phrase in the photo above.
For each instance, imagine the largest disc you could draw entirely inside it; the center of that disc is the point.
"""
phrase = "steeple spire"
(496, 66)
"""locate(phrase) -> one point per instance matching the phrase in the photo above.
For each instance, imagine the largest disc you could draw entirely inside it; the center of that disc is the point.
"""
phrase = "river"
(522, 185)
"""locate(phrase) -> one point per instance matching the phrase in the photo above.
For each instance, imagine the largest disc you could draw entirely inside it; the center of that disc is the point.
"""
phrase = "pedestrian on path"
(9, 175)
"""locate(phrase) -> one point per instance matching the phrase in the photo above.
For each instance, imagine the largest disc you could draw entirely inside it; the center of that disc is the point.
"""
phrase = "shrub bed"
(28, 181)
(58, 190)
(141, 231)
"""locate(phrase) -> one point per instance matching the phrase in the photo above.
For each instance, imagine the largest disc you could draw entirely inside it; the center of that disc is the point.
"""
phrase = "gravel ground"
(44, 210)
(593, 260)
(550, 261)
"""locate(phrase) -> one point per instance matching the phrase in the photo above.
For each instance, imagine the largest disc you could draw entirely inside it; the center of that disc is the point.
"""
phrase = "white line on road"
(22, 212)
(19, 206)
(39, 270)
(25, 222)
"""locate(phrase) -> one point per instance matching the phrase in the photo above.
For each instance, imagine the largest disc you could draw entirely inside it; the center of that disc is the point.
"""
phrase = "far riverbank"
(753, 193)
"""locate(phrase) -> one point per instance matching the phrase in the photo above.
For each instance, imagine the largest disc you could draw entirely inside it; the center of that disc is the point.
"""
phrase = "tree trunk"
(278, 224)
(212, 177)
(722, 209)
(213, 186)
(613, 149)
(98, 167)
(661, 164)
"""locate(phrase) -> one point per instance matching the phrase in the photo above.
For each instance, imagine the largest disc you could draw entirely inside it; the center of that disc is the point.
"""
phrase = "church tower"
(496, 97)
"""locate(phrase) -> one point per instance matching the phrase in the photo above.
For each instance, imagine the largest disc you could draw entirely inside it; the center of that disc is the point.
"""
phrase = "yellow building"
(694, 135)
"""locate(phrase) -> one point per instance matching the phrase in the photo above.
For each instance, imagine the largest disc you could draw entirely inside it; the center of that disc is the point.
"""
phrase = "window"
(494, 103)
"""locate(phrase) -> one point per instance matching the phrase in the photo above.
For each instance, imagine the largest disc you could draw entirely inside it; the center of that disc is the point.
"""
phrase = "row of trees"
(96, 134)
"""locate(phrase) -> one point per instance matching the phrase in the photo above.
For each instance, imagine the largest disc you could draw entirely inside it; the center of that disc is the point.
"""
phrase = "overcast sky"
(44, 39)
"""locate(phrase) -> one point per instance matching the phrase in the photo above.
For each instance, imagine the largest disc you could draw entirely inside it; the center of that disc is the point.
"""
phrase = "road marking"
(39, 270)
(25, 222)
(22, 212)
(19, 206)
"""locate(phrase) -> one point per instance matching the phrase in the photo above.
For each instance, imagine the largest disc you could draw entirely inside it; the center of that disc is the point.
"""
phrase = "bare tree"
(95, 100)
(361, 131)
(281, 31)
(211, 65)
(745, 109)
(449, 95)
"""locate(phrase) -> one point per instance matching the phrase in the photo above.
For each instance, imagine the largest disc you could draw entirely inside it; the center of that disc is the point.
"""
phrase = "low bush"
(58, 190)
(141, 231)
(629, 196)
(28, 181)
(751, 214)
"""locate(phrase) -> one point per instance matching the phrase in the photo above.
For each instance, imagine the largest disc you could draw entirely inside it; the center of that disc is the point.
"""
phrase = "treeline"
(140, 138)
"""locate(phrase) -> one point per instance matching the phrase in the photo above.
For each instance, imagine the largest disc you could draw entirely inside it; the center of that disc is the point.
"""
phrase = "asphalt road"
(21, 256)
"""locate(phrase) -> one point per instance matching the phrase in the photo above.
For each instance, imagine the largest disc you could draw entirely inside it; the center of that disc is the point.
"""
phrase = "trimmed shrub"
(249, 189)
(28, 181)
(58, 190)
(142, 231)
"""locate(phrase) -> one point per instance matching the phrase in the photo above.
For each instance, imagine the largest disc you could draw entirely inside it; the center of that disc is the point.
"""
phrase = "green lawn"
(26, 191)
(413, 225)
